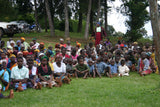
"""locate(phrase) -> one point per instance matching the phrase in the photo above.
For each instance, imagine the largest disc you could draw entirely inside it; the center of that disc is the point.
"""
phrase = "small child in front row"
(81, 70)
(69, 67)
(123, 69)
(113, 68)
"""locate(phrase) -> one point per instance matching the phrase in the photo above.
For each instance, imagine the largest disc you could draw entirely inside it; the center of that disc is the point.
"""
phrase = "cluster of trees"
(57, 14)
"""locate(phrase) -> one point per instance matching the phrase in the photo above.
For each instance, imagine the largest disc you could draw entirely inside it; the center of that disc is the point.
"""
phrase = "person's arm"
(41, 77)
(77, 70)
(51, 78)
(5, 83)
(104, 33)
(20, 80)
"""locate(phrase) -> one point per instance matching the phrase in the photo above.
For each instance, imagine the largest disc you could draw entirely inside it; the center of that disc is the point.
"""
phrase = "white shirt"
(98, 29)
(22, 73)
(34, 70)
(35, 46)
(123, 69)
(58, 69)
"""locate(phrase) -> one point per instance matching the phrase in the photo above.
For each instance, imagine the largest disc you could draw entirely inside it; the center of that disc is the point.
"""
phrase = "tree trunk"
(49, 18)
(46, 25)
(88, 20)
(36, 16)
(98, 11)
(80, 22)
(106, 15)
(66, 19)
(154, 14)
(91, 22)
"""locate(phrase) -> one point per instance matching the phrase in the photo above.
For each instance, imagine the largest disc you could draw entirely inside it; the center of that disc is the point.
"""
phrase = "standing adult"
(98, 33)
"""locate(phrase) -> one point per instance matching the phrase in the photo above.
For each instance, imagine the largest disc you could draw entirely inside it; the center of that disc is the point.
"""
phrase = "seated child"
(113, 68)
(100, 65)
(144, 67)
(60, 70)
(81, 70)
(123, 69)
(45, 73)
(69, 67)
(33, 81)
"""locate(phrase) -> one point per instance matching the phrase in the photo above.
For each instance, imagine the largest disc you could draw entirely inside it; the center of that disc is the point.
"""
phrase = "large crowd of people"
(32, 65)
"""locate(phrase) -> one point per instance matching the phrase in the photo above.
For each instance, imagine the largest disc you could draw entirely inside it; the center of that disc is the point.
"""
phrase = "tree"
(137, 16)
(66, 18)
(88, 20)
(98, 11)
(51, 26)
(154, 14)
(35, 14)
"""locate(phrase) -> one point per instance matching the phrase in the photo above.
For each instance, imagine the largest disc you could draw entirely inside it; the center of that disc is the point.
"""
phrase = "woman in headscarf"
(45, 73)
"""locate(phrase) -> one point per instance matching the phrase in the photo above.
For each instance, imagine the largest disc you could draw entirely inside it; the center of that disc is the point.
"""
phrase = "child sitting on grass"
(123, 69)
(81, 70)
(69, 68)
(113, 68)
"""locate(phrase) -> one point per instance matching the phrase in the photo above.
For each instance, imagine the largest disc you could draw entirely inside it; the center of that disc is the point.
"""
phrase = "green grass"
(132, 91)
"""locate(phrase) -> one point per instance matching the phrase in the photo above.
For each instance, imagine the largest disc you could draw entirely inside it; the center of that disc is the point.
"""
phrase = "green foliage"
(138, 15)
(7, 12)
(143, 41)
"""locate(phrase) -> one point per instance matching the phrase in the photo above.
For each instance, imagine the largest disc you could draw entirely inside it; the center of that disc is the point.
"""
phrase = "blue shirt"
(5, 77)
(113, 68)
(101, 67)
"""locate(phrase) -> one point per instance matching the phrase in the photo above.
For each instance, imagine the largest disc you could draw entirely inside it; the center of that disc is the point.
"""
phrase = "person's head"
(22, 47)
(68, 43)
(90, 44)
(110, 55)
(4, 64)
(41, 55)
(20, 62)
(49, 53)
(65, 61)
(73, 51)
(57, 50)
(81, 60)
(34, 40)
(112, 62)
(105, 59)
(61, 40)
(98, 24)
(63, 50)
(90, 63)
(13, 58)
(147, 45)
(44, 60)
(22, 39)
(70, 61)
(122, 62)
(30, 62)
(19, 54)
(29, 57)
(119, 42)
(12, 43)
(78, 45)
(31, 44)
(101, 42)
(3, 55)
(41, 46)
(143, 55)
(58, 58)
(93, 57)
(83, 52)
(50, 47)
(117, 58)
(99, 59)
(18, 42)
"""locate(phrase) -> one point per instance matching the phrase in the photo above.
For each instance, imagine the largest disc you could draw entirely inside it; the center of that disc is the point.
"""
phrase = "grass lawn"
(129, 91)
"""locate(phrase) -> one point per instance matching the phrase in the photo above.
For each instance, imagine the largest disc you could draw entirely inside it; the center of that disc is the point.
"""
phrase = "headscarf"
(23, 38)
(12, 55)
(36, 50)
(44, 57)
(78, 44)
(41, 43)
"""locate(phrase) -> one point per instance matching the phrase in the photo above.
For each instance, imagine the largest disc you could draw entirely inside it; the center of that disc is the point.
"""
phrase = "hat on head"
(41, 43)
(61, 39)
(34, 38)
(78, 44)
(12, 55)
(99, 23)
(23, 38)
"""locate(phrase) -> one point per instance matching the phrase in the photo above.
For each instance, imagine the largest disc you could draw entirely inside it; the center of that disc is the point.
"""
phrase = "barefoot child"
(123, 69)
(81, 70)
